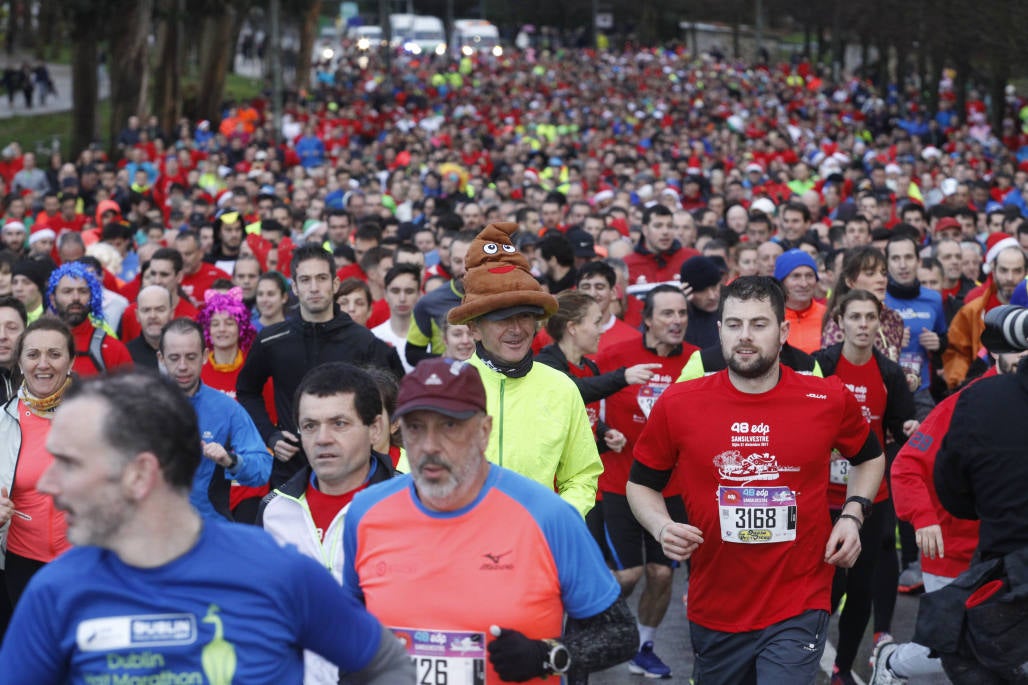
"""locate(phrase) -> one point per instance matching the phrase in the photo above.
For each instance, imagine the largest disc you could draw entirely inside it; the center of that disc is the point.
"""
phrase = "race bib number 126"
(445, 657)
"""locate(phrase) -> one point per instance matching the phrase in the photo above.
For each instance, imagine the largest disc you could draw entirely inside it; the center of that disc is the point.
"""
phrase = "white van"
(367, 37)
(475, 35)
(427, 36)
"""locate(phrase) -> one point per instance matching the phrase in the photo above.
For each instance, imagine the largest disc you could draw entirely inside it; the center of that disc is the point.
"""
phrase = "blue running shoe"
(648, 664)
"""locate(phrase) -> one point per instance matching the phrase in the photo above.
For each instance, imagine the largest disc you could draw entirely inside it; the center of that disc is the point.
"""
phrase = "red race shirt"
(195, 285)
(628, 409)
(324, 508)
(736, 452)
(868, 388)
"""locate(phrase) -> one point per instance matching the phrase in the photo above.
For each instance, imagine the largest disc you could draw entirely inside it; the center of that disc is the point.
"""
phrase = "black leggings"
(17, 575)
(857, 584)
(5, 606)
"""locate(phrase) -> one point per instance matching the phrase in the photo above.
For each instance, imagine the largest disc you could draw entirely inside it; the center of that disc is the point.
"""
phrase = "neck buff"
(518, 370)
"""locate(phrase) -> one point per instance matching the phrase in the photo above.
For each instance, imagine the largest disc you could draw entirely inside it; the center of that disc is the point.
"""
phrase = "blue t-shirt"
(919, 313)
(236, 608)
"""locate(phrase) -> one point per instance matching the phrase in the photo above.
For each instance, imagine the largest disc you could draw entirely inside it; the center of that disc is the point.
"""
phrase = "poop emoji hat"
(498, 283)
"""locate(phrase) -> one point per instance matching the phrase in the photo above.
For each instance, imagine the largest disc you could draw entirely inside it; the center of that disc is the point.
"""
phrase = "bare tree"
(129, 33)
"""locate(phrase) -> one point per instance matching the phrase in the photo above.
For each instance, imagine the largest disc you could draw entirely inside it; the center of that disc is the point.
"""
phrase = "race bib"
(757, 515)
(840, 469)
(443, 657)
(648, 395)
(911, 363)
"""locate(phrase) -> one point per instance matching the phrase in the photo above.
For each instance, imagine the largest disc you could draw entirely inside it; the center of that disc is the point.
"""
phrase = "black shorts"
(594, 522)
(627, 542)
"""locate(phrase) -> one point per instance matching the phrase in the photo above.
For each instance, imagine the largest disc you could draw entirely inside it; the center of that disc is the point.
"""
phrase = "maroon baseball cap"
(442, 385)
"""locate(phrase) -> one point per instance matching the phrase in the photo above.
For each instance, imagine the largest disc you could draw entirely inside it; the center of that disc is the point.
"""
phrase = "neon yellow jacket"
(541, 430)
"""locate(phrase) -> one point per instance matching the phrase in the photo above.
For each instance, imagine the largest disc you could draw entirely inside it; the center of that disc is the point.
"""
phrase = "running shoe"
(911, 580)
(878, 639)
(881, 675)
(648, 664)
(840, 678)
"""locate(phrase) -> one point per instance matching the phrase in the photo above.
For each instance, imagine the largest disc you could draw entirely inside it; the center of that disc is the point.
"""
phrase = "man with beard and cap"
(501, 560)
(1007, 264)
(74, 295)
(543, 429)
(758, 437)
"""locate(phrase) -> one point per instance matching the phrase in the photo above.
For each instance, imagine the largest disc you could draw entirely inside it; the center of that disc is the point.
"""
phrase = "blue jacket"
(224, 421)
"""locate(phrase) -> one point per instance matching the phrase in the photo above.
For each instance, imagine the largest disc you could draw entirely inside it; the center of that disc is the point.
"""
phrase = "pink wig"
(232, 303)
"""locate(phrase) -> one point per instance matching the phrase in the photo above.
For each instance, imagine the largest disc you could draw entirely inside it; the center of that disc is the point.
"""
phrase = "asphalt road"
(673, 646)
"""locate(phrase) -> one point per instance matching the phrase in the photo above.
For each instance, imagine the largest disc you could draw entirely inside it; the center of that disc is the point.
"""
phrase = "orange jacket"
(965, 339)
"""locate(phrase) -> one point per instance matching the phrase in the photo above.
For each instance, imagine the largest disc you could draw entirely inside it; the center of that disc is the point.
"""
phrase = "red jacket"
(114, 353)
(913, 492)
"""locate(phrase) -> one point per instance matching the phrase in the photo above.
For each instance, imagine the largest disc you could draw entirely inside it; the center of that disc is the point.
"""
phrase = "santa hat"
(996, 243)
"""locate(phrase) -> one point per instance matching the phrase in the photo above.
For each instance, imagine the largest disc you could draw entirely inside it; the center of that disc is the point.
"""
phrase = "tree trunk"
(1000, 74)
(167, 95)
(84, 87)
(49, 24)
(646, 29)
(128, 33)
(308, 31)
(215, 54)
(963, 68)
(938, 63)
(26, 37)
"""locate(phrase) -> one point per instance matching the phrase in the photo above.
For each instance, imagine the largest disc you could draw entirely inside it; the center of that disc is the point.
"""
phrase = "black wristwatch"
(234, 463)
(865, 505)
(557, 658)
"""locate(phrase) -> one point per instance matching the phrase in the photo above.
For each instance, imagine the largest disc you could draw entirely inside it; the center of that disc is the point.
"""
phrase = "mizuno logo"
(815, 396)
(495, 558)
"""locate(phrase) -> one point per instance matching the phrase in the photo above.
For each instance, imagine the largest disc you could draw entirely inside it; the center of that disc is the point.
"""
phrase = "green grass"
(241, 87)
(33, 131)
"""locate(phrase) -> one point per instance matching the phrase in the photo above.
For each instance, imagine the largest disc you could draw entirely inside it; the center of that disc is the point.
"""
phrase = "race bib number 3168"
(757, 515)
(445, 657)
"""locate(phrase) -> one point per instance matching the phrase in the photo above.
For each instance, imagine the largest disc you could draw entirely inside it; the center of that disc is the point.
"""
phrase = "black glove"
(516, 658)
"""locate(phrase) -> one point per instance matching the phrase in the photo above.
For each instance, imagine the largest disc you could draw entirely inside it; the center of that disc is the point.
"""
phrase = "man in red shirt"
(597, 279)
(198, 275)
(658, 256)
(69, 218)
(666, 317)
(74, 294)
(164, 269)
(750, 447)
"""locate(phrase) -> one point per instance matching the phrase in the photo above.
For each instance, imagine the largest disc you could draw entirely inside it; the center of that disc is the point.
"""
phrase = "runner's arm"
(601, 641)
(389, 665)
(678, 540)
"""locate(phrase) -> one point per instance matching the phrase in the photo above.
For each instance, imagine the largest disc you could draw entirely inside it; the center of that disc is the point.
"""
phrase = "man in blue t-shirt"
(155, 593)
(923, 315)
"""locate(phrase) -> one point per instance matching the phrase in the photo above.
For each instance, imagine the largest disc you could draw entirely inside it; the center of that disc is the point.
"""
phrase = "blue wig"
(79, 272)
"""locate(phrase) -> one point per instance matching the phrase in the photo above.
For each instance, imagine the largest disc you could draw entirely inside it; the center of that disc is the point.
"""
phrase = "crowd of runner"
(615, 219)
